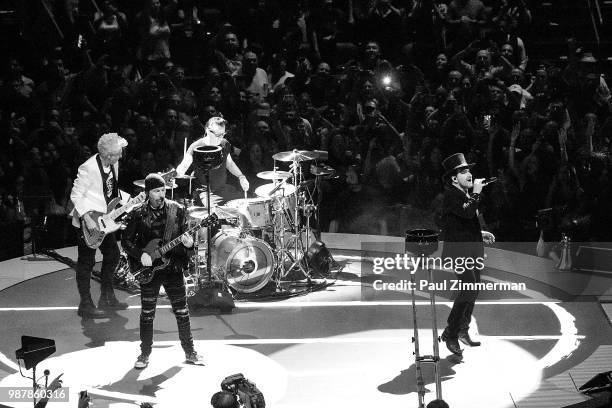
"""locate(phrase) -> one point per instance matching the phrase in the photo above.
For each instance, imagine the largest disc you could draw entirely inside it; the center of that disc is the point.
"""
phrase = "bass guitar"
(157, 251)
(108, 222)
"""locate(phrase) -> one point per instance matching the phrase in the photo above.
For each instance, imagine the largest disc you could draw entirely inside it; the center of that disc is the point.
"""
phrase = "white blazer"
(87, 191)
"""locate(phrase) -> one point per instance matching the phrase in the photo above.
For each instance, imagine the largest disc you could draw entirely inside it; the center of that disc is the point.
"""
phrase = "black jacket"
(461, 231)
(138, 232)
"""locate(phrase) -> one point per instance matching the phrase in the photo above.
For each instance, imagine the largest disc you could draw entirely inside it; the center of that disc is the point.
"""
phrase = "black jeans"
(87, 259)
(461, 313)
(175, 289)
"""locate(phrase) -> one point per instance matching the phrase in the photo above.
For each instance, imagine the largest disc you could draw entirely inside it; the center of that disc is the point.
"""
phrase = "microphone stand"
(208, 237)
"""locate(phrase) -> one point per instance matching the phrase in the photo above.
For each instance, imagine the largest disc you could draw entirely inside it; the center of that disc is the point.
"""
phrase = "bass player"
(94, 188)
(160, 218)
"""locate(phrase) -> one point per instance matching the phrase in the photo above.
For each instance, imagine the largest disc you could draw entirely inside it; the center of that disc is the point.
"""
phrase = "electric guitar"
(157, 251)
(107, 222)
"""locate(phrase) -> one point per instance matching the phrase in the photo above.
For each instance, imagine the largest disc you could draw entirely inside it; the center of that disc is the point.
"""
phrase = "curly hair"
(110, 143)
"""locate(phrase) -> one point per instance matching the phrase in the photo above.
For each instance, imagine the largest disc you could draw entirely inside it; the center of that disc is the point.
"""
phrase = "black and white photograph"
(305, 203)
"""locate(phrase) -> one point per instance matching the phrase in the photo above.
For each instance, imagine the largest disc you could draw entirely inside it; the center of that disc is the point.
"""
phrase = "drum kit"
(262, 239)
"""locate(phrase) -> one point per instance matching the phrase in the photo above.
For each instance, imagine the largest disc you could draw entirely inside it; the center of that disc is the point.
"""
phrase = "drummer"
(220, 190)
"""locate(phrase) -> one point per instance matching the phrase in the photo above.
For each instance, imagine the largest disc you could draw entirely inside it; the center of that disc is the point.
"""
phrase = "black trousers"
(461, 313)
(87, 259)
(173, 283)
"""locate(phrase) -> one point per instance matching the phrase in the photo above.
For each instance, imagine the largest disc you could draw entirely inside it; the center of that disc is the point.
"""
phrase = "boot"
(465, 338)
(452, 343)
(88, 309)
(108, 301)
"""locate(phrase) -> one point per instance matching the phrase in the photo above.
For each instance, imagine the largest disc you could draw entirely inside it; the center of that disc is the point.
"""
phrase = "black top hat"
(455, 162)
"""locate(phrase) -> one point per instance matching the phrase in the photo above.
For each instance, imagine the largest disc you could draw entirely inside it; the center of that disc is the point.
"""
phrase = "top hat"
(455, 162)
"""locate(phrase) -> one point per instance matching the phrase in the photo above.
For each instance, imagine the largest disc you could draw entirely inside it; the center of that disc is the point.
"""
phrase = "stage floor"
(348, 345)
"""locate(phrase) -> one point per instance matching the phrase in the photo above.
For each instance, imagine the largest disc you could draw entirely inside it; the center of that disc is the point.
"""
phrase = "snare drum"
(246, 262)
(255, 213)
(283, 199)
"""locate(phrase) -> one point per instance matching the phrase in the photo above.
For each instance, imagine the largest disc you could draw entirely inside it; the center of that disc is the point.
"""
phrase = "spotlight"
(386, 80)
(34, 350)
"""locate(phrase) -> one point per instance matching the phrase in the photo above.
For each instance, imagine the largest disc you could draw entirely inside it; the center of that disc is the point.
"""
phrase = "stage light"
(34, 350)
(386, 80)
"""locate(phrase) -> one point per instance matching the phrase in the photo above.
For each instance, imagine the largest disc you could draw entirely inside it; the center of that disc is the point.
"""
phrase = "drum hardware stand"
(424, 242)
(299, 245)
(211, 292)
(283, 252)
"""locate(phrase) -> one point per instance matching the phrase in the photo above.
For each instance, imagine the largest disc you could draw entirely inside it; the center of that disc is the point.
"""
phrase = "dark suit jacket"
(461, 231)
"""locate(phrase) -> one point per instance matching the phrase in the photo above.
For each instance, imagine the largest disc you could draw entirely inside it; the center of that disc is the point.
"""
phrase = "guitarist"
(160, 218)
(94, 187)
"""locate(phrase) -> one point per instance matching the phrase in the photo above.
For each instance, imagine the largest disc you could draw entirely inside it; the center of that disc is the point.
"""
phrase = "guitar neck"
(167, 247)
(117, 212)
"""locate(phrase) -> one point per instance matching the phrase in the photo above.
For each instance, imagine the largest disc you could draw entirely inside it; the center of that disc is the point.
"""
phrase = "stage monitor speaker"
(600, 401)
(34, 350)
(600, 389)
(601, 382)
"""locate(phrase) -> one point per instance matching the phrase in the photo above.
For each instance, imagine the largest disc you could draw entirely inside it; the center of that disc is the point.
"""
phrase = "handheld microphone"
(489, 180)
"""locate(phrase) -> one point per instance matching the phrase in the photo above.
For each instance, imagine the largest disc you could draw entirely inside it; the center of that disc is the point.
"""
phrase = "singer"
(463, 237)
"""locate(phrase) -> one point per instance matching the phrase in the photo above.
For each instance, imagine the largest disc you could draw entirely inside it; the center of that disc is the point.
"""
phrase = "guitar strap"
(171, 225)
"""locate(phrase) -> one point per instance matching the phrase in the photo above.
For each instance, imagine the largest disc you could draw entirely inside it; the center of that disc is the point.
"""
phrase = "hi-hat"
(141, 184)
(295, 155)
(274, 175)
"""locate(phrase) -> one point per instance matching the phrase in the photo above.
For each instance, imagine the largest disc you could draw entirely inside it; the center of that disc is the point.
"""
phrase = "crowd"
(388, 88)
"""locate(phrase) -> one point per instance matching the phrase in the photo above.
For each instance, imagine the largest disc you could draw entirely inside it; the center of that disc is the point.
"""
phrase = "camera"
(246, 392)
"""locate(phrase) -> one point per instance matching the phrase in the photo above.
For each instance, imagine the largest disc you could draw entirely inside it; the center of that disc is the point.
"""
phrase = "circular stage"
(348, 345)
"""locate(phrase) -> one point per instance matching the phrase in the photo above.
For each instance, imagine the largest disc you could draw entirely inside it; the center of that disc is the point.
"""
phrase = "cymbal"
(273, 175)
(184, 177)
(141, 184)
(197, 212)
(225, 211)
(295, 155)
(265, 190)
(320, 155)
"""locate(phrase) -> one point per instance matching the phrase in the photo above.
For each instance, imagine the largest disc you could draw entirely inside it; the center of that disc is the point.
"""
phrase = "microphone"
(489, 181)
(46, 373)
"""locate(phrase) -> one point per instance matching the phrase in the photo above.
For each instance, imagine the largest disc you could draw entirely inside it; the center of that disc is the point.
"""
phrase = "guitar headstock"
(139, 198)
(168, 176)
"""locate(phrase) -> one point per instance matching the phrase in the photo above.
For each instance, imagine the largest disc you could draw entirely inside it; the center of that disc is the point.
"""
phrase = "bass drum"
(246, 262)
